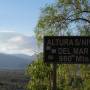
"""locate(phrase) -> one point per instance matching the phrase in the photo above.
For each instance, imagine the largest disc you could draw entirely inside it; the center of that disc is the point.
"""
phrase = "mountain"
(8, 61)
(25, 56)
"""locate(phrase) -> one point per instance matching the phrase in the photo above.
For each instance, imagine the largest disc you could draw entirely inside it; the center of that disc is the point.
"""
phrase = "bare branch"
(76, 19)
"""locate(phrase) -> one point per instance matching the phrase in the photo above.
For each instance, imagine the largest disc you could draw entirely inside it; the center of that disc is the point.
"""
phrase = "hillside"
(8, 61)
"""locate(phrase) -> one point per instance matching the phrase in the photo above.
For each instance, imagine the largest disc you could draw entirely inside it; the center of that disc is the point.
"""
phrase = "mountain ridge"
(15, 61)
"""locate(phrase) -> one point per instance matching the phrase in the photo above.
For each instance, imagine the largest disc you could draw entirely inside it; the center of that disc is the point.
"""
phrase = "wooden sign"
(67, 49)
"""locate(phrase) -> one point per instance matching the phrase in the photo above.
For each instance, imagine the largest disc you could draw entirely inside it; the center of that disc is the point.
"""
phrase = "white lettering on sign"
(69, 49)
(63, 51)
(76, 51)
(82, 59)
(65, 58)
(79, 51)
(50, 57)
(53, 51)
(68, 42)
(48, 48)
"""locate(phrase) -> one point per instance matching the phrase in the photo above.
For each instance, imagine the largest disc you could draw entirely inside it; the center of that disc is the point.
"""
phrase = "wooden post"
(54, 77)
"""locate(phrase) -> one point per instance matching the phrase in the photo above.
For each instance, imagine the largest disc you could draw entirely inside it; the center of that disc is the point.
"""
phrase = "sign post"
(54, 77)
(66, 50)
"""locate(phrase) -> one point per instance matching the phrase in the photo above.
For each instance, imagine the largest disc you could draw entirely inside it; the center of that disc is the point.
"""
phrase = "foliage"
(67, 76)
(55, 20)
(39, 73)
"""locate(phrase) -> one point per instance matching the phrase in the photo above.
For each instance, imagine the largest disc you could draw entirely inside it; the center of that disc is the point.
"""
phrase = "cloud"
(16, 39)
(7, 31)
(15, 43)
(17, 51)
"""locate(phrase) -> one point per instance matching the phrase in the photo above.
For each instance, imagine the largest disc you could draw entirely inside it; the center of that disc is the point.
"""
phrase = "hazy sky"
(20, 15)
(17, 21)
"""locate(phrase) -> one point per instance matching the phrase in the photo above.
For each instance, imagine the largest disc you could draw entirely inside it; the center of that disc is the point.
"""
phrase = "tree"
(39, 72)
(55, 20)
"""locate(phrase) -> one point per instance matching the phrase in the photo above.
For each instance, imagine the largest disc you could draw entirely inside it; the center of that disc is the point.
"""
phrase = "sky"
(18, 19)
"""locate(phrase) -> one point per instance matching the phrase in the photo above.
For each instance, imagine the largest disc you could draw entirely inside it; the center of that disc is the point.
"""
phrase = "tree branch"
(84, 11)
(76, 19)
